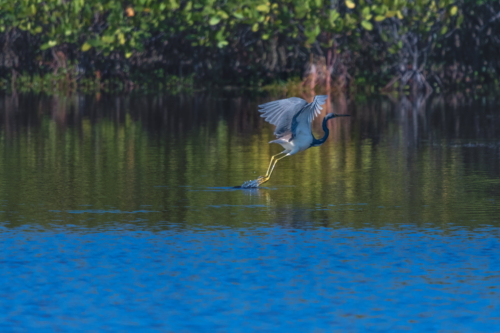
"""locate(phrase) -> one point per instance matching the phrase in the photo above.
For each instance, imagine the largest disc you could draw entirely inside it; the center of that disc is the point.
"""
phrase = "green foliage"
(124, 26)
(120, 34)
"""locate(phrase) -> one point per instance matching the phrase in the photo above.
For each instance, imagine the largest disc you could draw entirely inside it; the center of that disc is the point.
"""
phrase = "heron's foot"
(262, 179)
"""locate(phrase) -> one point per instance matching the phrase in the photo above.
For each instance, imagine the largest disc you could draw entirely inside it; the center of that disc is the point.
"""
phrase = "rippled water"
(119, 214)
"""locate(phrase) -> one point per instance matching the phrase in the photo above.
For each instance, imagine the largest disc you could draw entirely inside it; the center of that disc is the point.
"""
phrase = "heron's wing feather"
(280, 113)
(315, 107)
(309, 112)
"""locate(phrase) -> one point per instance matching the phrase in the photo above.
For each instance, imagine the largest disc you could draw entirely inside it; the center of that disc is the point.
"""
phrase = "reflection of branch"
(428, 88)
(13, 80)
(406, 77)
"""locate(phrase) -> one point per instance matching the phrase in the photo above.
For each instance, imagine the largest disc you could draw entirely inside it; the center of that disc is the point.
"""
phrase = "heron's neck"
(318, 142)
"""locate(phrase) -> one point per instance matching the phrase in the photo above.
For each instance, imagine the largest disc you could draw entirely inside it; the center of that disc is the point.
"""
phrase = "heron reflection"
(293, 117)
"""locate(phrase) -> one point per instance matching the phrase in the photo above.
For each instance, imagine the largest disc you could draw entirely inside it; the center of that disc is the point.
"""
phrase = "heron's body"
(301, 141)
(292, 118)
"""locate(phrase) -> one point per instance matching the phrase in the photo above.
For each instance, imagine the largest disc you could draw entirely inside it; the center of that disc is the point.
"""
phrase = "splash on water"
(252, 183)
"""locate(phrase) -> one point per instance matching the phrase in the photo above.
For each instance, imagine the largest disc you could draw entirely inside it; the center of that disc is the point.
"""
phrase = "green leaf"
(94, 42)
(367, 25)
(223, 14)
(48, 45)
(220, 35)
(311, 34)
(214, 20)
(108, 39)
(222, 43)
(379, 18)
(174, 4)
(86, 46)
(334, 15)
(453, 10)
(350, 4)
(263, 8)
(255, 27)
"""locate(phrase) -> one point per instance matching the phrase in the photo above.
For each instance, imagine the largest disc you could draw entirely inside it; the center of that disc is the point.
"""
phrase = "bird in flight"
(293, 117)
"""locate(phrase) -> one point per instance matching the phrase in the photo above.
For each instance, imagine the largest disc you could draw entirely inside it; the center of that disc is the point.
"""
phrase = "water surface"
(118, 214)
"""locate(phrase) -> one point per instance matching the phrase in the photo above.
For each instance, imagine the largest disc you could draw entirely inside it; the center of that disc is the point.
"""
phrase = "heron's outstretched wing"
(308, 113)
(280, 113)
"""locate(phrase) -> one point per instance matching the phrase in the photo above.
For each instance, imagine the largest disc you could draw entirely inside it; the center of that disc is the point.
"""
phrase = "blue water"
(122, 217)
(263, 278)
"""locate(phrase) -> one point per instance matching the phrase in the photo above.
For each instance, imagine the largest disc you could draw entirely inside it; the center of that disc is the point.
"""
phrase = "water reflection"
(170, 152)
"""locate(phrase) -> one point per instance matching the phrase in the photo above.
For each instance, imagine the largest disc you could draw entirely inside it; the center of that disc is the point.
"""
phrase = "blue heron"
(292, 118)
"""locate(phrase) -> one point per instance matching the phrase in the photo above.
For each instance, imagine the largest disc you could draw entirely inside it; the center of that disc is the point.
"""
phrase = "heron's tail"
(279, 141)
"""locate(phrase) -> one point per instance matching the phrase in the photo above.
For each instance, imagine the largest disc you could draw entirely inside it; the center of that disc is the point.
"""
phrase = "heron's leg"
(271, 162)
(268, 176)
(274, 164)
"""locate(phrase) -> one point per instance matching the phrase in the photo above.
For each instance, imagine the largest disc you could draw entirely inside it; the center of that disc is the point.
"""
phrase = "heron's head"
(333, 115)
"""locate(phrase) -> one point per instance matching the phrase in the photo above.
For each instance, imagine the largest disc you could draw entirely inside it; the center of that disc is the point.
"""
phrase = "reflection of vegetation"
(130, 154)
(248, 42)
(67, 81)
